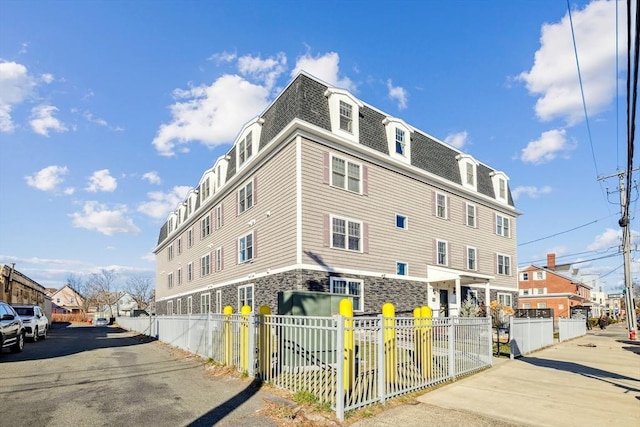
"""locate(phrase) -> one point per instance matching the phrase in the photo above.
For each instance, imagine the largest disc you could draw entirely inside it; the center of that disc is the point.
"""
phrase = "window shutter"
(434, 201)
(365, 180)
(222, 258)
(221, 215)
(212, 221)
(365, 238)
(255, 190)
(495, 263)
(495, 224)
(477, 259)
(477, 217)
(465, 212)
(465, 254)
(326, 169)
(255, 243)
(237, 251)
(449, 254)
(325, 230)
(447, 204)
(435, 252)
(237, 202)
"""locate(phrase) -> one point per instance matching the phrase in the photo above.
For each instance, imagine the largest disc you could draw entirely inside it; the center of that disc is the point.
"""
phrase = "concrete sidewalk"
(593, 380)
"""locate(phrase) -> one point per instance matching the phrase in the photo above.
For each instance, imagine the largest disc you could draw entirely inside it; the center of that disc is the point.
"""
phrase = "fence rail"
(345, 362)
(571, 328)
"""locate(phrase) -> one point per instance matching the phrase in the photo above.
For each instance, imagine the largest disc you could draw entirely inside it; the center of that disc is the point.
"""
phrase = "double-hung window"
(441, 205)
(442, 252)
(205, 303)
(245, 149)
(205, 226)
(245, 197)
(346, 234)
(504, 264)
(245, 296)
(189, 305)
(170, 308)
(349, 287)
(170, 280)
(471, 215)
(346, 175)
(189, 238)
(170, 252)
(218, 217)
(205, 189)
(180, 245)
(205, 265)
(400, 142)
(219, 259)
(190, 271)
(502, 226)
(470, 169)
(245, 248)
(346, 117)
(179, 276)
(472, 258)
(506, 300)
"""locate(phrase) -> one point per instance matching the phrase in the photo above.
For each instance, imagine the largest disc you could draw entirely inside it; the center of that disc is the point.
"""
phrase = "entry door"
(444, 303)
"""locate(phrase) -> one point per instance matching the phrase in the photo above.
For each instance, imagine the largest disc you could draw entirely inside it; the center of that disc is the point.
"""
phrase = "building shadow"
(218, 413)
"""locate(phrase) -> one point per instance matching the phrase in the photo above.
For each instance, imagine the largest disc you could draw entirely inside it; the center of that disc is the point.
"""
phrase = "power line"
(574, 262)
(557, 234)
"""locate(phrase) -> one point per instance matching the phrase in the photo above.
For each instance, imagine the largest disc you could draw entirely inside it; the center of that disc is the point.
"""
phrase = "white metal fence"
(571, 328)
(344, 362)
(527, 335)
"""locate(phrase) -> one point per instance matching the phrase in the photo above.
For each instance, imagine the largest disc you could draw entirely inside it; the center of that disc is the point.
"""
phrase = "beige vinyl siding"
(274, 238)
(389, 194)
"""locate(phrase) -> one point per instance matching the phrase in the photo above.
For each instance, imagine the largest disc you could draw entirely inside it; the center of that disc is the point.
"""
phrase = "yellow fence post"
(346, 310)
(264, 341)
(245, 311)
(389, 333)
(228, 336)
(426, 341)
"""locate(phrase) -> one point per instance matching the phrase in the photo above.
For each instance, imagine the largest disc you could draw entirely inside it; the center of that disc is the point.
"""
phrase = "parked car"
(35, 322)
(101, 321)
(11, 328)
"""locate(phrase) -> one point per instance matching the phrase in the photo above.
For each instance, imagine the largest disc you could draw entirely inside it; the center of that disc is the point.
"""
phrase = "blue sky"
(111, 110)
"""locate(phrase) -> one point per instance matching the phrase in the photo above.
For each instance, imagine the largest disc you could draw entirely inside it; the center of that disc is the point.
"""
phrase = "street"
(99, 376)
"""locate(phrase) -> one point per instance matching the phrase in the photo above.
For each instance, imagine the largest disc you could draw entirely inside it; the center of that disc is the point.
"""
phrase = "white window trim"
(475, 250)
(205, 298)
(406, 268)
(406, 222)
(170, 280)
(244, 236)
(391, 124)
(202, 265)
(475, 215)
(334, 96)
(253, 296)
(189, 305)
(255, 129)
(169, 308)
(524, 276)
(541, 274)
(205, 226)
(498, 255)
(245, 198)
(496, 178)
(446, 255)
(347, 279)
(465, 160)
(508, 296)
(218, 301)
(179, 306)
(346, 174)
(190, 271)
(446, 205)
(218, 261)
(346, 242)
(500, 221)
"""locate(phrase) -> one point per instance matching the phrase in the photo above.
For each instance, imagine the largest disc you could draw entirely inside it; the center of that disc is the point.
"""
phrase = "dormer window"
(245, 149)
(400, 142)
(205, 189)
(398, 138)
(468, 171)
(500, 188)
(346, 117)
(344, 112)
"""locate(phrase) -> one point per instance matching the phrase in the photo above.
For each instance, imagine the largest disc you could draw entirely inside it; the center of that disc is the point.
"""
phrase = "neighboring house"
(323, 192)
(16, 288)
(67, 300)
(116, 304)
(558, 287)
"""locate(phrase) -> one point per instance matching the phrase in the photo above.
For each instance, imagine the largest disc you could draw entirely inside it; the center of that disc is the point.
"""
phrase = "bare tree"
(86, 296)
(140, 289)
(104, 287)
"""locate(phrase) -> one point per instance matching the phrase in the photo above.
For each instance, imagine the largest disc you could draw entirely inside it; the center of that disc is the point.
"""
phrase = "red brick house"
(558, 287)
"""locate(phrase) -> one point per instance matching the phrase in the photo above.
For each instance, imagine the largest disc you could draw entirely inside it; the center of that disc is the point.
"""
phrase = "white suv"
(35, 321)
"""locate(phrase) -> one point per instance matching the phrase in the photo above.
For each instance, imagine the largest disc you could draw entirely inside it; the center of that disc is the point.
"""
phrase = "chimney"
(551, 261)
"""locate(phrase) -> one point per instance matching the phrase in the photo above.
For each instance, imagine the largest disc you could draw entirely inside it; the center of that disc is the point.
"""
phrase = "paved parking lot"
(104, 376)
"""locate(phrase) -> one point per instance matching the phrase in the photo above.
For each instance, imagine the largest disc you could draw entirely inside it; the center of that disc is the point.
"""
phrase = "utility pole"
(624, 222)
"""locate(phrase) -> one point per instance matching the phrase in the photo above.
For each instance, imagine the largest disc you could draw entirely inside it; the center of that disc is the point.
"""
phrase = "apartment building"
(323, 192)
(554, 286)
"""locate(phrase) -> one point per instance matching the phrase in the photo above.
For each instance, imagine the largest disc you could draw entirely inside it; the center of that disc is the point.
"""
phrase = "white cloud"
(17, 85)
(47, 179)
(47, 78)
(223, 57)
(160, 204)
(609, 238)
(264, 70)
(324, 67)
(101, 181)
(152, 177)
(554, 76)
(547, 147)
(42, 120)
(531, 191)
(99, 217)
(211, 114)
(398, 93)
(458, 139)
(89, 116)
